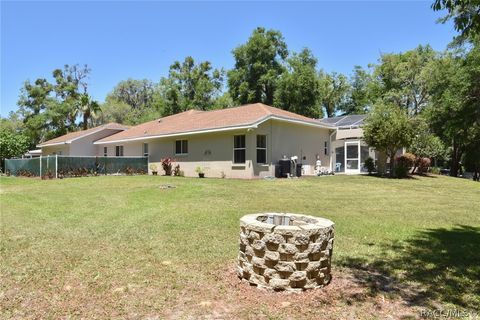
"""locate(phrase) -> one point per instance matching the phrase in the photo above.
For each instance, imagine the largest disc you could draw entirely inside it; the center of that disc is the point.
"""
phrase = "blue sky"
(121, 40)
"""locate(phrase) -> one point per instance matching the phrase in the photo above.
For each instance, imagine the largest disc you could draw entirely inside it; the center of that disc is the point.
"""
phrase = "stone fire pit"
(285, 251)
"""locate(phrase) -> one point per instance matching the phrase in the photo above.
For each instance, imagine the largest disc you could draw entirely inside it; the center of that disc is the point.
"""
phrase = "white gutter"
(330, 148)
(53, 144)
(250, 126)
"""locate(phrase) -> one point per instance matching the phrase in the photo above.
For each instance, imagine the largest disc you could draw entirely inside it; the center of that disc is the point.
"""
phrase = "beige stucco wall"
(349, 133)
(80, 147)
(214, 151)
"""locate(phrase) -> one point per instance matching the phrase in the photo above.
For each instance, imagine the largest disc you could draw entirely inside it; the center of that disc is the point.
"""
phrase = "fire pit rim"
(252, 220)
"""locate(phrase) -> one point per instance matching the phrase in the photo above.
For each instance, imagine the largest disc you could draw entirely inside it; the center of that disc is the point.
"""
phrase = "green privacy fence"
(66, 166)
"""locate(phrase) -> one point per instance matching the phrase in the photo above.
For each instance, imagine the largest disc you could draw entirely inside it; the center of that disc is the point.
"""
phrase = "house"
(243, 142)
(80, 143)
(348, 151)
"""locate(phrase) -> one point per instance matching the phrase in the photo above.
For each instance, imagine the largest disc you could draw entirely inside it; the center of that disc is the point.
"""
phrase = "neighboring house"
(347, 149)
(80, 143)
(241, 142)
(32, 153)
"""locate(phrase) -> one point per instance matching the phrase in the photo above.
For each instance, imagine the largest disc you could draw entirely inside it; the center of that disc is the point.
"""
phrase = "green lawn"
(124, 247)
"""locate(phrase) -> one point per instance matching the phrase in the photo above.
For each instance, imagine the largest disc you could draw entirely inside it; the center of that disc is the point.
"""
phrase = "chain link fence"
(66, 166)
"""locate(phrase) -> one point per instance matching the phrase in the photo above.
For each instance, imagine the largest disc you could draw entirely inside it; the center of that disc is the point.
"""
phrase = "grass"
(124, 247)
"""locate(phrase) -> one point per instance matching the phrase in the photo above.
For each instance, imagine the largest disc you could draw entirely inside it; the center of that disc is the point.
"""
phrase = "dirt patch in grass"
(343, 298)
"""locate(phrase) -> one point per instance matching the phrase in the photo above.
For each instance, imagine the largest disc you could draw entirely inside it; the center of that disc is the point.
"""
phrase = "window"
(261, 149)
(326, 148)
(119, 151)
(105, 151)
(145, 149)
(181, 147)
(239, 149)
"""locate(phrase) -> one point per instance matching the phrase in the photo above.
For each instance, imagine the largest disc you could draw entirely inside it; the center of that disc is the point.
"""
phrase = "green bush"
(435, 170)
(369, 165)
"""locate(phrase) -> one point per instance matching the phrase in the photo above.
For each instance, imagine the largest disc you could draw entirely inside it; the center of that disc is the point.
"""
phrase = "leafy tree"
(33, 102)
(387, 129)
(136, 93)
(471, 158)
(455, 109)
(191, 86)
(112, 110)
(362, 94)
(88, 108)
(298, 89)
(465, 15)
(71, 91)
(12, 144)
(52, 109)
(334, 89)
(223, 101)
(403, 78)
(425, 144)
(258, 66)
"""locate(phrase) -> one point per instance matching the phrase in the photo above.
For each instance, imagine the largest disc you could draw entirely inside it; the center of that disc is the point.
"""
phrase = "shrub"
(176, 171)
(435, 170)
(153, 167)
(423, 164)
(369, 165)
(167, 164)
(403, 164)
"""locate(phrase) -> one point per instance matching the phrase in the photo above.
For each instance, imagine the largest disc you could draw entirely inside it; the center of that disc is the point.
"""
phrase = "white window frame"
(105, 151)
(261, 148)
(182, 141)
(120, 149)
(146, 151)
(235, 149)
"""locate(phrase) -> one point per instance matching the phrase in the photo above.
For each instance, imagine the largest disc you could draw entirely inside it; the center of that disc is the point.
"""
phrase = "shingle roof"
(344, 121)
(67, 138)
(195, 120)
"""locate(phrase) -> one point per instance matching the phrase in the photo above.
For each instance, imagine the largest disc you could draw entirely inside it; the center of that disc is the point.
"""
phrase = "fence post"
(40, 166)
(56, 166)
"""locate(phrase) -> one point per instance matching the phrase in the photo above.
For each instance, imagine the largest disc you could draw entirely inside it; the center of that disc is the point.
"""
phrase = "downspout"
(330, 149)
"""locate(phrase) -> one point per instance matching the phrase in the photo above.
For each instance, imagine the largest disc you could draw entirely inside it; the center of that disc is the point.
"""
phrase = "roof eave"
(229, 128)
(53, 144)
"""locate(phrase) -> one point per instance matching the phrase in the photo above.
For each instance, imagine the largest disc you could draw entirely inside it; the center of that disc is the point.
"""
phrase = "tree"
(136, 93)
(12, 144)
(362, 94)
(471, 158)
(71, 91)
(455, 109)
(258, 66)
(465, 15)
(387, 129)
(298, 89)
(33, 102)
(223, 101)
(191, 86)
(424, 143)
(88, 108)
(52, 109)
(403, 78)
(333, 91)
